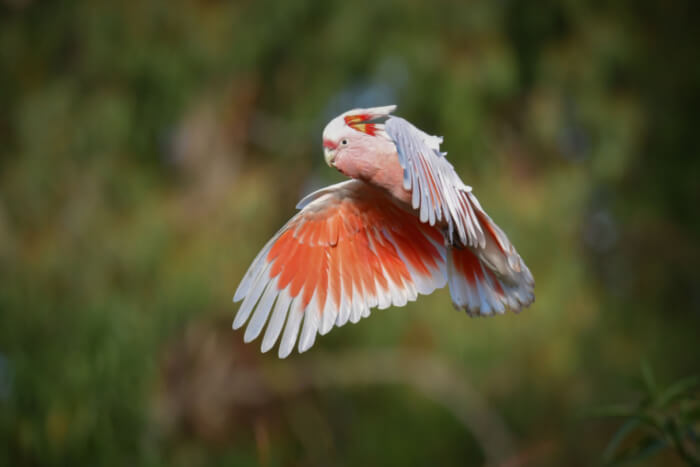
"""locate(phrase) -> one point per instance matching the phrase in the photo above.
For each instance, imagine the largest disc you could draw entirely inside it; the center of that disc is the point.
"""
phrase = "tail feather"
(492, 279)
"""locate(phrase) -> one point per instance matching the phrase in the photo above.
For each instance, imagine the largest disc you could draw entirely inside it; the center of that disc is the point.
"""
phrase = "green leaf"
(619, 436)
(646, 447)
(679, 440)
(677, 390)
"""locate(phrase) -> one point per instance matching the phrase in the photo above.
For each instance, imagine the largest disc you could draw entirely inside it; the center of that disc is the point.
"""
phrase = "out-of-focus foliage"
(665, 417)
(149, 149)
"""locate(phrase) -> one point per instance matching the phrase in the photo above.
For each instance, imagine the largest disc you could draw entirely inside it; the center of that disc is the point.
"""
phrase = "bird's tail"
(489, 279)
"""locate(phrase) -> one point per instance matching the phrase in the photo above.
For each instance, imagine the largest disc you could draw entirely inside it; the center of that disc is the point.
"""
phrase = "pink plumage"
(405, 225)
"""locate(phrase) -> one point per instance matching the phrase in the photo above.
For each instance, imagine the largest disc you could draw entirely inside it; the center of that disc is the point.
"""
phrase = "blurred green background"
(149, 149)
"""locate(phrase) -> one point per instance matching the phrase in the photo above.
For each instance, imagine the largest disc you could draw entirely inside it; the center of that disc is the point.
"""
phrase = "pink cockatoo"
(405, 224)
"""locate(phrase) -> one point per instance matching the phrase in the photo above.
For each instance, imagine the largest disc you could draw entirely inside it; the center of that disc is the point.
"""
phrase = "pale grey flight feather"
(419, 155)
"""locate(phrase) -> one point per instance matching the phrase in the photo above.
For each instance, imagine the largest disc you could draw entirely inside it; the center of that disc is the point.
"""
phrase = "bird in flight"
(404, 224)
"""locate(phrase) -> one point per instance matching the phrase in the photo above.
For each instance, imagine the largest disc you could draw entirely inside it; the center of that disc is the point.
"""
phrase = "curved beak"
(329, 156)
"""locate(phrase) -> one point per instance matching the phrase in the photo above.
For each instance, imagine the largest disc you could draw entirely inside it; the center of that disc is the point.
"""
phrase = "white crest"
(357, 119)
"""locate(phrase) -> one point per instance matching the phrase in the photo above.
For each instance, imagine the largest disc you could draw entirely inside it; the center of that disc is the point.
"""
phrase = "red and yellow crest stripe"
(358, 122)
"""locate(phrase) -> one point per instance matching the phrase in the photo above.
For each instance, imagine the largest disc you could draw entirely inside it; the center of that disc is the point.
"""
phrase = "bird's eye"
(344, 142)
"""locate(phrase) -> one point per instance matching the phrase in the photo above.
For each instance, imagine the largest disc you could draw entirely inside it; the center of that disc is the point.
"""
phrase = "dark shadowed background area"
(148, 150)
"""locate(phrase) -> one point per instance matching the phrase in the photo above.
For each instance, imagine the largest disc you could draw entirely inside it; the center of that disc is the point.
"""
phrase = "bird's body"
(404, 225)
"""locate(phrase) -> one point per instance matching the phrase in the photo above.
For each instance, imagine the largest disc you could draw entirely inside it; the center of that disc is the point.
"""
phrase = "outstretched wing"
(437, 191)
(349, 249)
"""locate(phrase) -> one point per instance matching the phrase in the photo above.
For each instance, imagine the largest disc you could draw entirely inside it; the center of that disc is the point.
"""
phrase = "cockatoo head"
(349, 131)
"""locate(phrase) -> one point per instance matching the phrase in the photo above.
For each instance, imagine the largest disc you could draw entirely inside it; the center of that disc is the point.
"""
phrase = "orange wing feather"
(347, 251)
